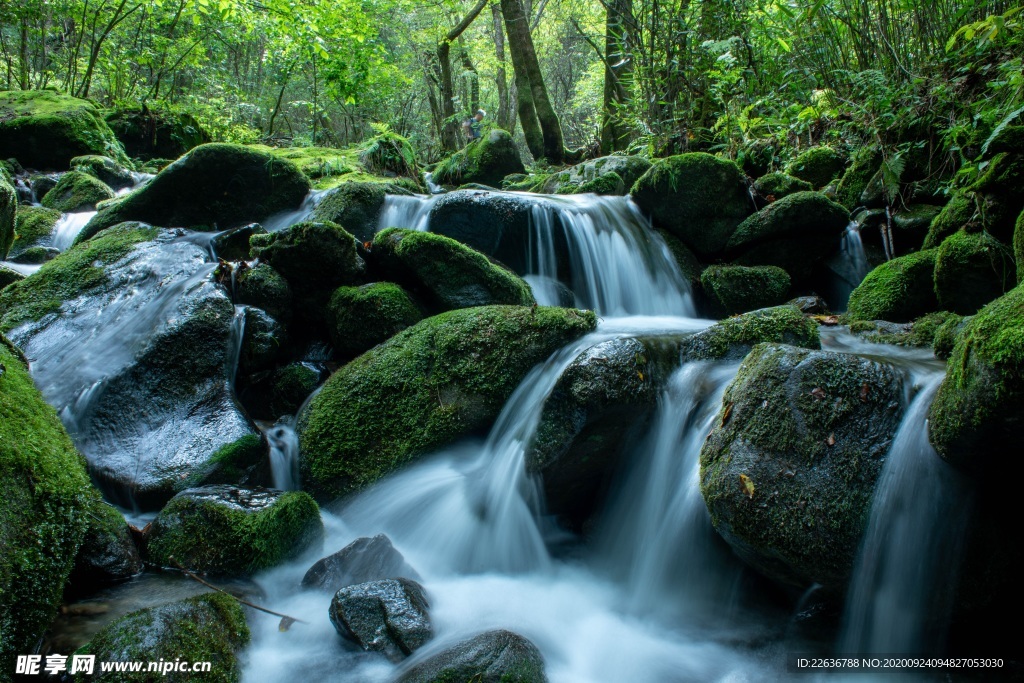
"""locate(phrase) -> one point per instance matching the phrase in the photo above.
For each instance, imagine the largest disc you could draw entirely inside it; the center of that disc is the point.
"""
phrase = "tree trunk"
(450, 135)
(505, 117)
(23, 56)
(524, 94)
(618, 68)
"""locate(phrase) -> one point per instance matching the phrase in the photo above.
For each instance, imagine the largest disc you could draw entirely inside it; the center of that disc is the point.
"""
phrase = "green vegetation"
(737, 289)
(486, 161)
(34, 224)
(8, 216)
(362, 317)
(77, 191)
(898, 290)
(733, 337)
(818, 166)
(972, 269)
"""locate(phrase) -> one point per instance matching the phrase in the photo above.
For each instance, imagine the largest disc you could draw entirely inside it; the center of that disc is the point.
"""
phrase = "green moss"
(71, 274)
(944, 337)
(227, 530)
(76, 191)
(34, 224)
(105, 169)
(292, 385)
(356, 206)
(863, 166)
(486, 161)
(898, 290)
(958, 213)
(775, 186)
(263, 287)
(609, 184)
(521, 182)
(737, 289)
(362, 317)
(972, 269)
(447, 273)
(921, 333)
(817, 166)
(229, 464)
(205, 628)
(734, 337)
(8, 217)
(389, 154)
(44, 491)
(1018, 247)
(321, 165)
(444, 378)
(9, 277)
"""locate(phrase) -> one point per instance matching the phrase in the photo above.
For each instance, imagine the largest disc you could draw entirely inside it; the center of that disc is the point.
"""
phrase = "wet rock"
(486, 160)
(446, 274)
(775, 186)
(361, 561)
(206, 628)
(697, 197)
(9, 277)
(491, 657)
(733, 338)
(213, 187)
(811, 305)
(977, 413)
(496, 224)
(737, 289)
(369, 419)
(233, 245)
(263, 287)
(8, 216)
(148, 133)
(262, 342)
(972, 269)
(233, 531)
(387, 616)
(33, 228)
(108, 553)
(34, 256)
(920, 332)
(45, 129)
(606, 175)
(818, 166)
(41, 184)
(790, 468)
(898, 290)
(910, 226)
(863, 166)
(356, 206)
(77, 191)
(359, 318)
(104, 169)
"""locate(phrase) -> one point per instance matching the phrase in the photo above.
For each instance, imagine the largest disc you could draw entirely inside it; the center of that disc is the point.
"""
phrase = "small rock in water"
(492, 657)
(387, 616)
(362, 560)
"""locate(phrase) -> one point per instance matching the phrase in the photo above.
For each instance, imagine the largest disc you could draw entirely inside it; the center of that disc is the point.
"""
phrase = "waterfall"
(68, 227)
(284, 454)
(286, 219)
(849, 266)
(400, 211)
(235, 339)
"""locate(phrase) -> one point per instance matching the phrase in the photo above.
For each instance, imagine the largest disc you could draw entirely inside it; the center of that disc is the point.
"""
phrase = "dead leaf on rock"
(818, 393)
(748, 486)
(831, 441)
(726, 414)
(864, 389)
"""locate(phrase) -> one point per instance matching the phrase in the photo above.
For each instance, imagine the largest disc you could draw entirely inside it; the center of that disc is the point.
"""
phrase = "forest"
(510, 341)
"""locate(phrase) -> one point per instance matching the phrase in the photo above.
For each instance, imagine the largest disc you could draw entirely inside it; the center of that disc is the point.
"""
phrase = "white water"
(68, 227)
(284, 454)
(235, 339)
(285, 219)
(850, 266)
(25, 269)
(401, 211)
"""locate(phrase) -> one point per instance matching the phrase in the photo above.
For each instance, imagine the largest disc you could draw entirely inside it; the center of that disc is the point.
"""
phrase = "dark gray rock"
(388, 616)
(233, 245)
(491, 657)
(107, 554)
(361, 561)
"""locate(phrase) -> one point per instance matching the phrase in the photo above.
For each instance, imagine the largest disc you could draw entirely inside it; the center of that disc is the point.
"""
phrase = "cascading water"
(237, 335)
(284, 454)
(401, 211)
(285, 219)
(849, 266)
(68, 227)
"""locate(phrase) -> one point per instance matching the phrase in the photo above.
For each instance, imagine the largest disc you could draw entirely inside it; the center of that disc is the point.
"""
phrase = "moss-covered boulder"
(45, 129)
(105, 169)
(496, 224)
(148, 133)
(359, 318)
(775, 186)
(264, 288)
(793, 233)
(233, 245)
(920, 332)
(958, 213)
(818, 166)
(972, 269)
(910, 226)
(611, 175)
(697, 197)
(44, 495)
(107, 554)
(442, 379)
(8, 217)
(263, 342)
(77, 191)
(978, 413)
(391, 155)
(33, 228)
(291, 386)
(387, 616)
(733, 338)
(356, 206)
(486, 160)
(737, 289)
(898, 290)
(233, 531)
(213, 187)
(207, 628)
(863, 166)
(9, 276)
(789, 470)
(491, 657)
(999, 193)
(446, 274)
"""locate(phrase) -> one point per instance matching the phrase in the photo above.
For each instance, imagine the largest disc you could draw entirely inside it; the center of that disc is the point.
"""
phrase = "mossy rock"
(153, 134)
(958, 213)
(322, 165)
(216, 186)
(793, 233)
(486, 160)
(291, 386)
(945, 335)
(775, 186)
(442, 379)
(491, 657)
(359, 318)
(737, 289)
(1018, 247)
(522, 182)
(33, 228)
(233, 531)
(263, 342)
(698, 197)
(45, 129)
(863, 166)
(898, 290)
(1000, 193)
(972, 269)
(611, 175)
(389, 154)
(446, 274)
(356, 206)
(757, 157)
(9, 276)
(44, 495)
(733, 338)
(206, 628)
(105, 169)
(920, 333)
(497, 224)
(789, 471)
(818, 166)
(107, 555)
(976, 418)
(77, 191)
(264, 288)
(8, 217)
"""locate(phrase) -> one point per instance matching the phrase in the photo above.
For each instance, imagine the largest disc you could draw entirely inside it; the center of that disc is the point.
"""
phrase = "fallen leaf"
(747, 485)
(831, 441)
(727, 414)
(818, 393)
(864, 389)
(286, 623)
(640, 375)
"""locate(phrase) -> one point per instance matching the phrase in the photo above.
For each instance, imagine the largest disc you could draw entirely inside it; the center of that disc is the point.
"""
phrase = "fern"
(999, 129)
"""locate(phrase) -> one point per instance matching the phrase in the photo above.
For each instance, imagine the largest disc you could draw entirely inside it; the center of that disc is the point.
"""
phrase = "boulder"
(263, 340)
(40, 184)
(898, 290)
(206, 628)
(737, 289)
(442, 379)
(44, 496)
(757, 157)
(33, 228)
(606, 175)
(977, 414)
(775, 186)
(361, 561)
(8, 217)
(77, 191)
(910, 226)
(497, 224)
(233, 245)
(697, 197)
(444, 273)
(45, 129)
(958, 213)
(391, 155)
(793, 233)
(491, 657)
(945, 335)
(486, 160)
(9, 276)
(233, 531)
(818, 166)
(263, 287)
(356, 206)
(105, 169)
(108, 554)
(213, 187)
(156, 133)
(863, 166)
(273, 394)
(733, 338)
(359, 318)
(789, 470)
(920, 333)
(972, 269)
(387, 616)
